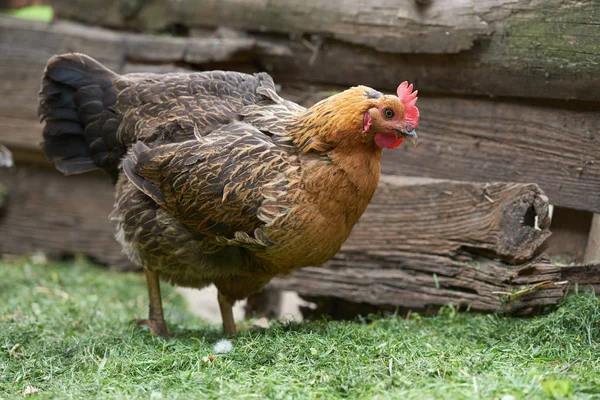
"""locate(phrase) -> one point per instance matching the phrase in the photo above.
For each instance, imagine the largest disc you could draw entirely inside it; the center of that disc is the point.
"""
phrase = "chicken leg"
(226, 306)
(156, 319)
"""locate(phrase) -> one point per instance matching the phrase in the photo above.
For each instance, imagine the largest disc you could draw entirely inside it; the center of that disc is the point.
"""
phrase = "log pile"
(474, 139)
(421, 242)
(508, 93)
(543, 49)
(424, 243)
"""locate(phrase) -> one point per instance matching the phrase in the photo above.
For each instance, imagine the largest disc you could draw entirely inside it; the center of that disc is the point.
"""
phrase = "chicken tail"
(76, 102)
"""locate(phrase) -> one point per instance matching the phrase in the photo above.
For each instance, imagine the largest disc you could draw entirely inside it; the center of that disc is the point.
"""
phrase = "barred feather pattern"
(218, 180)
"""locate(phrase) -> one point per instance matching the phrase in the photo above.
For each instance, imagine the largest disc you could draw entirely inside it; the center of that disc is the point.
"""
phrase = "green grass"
(65, 330)
(37, 13)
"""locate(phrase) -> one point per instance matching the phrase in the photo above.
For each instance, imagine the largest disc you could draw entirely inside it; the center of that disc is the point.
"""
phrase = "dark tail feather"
(77, 102)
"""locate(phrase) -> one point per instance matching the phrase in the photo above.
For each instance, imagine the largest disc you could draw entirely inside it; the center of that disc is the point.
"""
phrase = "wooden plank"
(592, 251)
(466, 210)
(26, 46)
(449, 218)
(570, 230)
(445, 27)
(546, 48)
(529, 301)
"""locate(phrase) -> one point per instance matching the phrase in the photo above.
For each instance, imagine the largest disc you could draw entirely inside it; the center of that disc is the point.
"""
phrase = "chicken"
(219, 179)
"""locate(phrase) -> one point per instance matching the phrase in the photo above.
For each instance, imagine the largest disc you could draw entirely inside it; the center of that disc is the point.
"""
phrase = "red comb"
(409, 99)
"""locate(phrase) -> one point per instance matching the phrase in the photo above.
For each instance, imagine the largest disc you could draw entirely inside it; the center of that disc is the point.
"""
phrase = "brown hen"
(219, 179)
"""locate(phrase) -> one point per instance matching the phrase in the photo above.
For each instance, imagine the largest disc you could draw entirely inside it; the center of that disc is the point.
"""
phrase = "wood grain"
(482, 140)
(530, 48)
(420, 243)
(556, 146)
(428, 244)
(384, 25)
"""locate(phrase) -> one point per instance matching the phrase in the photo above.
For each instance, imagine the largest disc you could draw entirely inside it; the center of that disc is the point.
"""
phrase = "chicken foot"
(156, 319)
(226, 306)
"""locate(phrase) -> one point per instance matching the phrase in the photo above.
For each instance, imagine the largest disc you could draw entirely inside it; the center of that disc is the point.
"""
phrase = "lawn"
(66, 333)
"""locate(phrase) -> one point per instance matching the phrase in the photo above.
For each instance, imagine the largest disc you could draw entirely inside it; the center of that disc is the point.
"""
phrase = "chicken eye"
(388, 113)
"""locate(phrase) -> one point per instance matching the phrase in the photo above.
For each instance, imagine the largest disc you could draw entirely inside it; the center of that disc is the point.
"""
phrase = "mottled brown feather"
(224, 181)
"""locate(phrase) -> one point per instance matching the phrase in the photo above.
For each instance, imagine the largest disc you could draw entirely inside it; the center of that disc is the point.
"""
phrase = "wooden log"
(546, 48)
(445, 27)
(423, 244)
(502, 224)
(419, 244)
(481, 140)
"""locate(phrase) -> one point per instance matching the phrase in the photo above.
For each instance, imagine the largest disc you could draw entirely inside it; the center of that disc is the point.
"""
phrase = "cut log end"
(525, 226)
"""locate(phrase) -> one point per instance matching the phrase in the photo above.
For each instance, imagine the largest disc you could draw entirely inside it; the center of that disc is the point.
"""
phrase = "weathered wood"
(570, 230)
(418, 282)
(26, 47)
(419, 244)
(481, 140)
(447, 218)
(592, 251)
(528, 299)
(501, 224)
(556, 146)
(470, 140)
(444, 27)
(426, 244)
(546, 48)
(58, 215)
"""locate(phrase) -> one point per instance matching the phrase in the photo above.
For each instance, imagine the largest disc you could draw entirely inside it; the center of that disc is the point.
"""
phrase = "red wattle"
(388, 140)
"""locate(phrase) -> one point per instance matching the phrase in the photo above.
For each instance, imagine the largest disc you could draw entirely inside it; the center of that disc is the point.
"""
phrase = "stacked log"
(494, 80)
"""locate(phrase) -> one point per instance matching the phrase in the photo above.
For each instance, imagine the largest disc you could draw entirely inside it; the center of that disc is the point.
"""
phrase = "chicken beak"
(410, 134)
